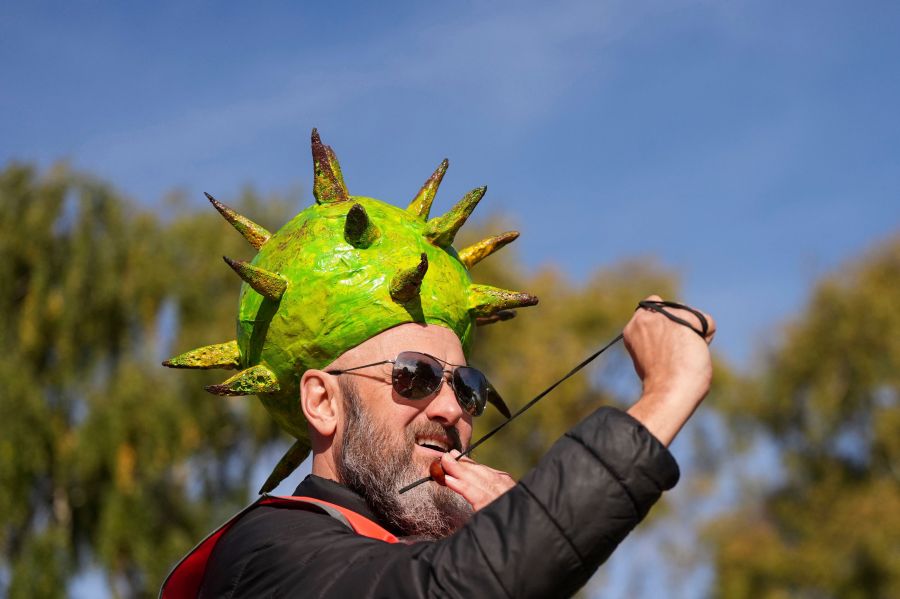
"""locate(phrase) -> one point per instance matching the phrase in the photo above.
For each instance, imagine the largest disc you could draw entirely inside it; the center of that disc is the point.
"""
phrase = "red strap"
(361, 525)
(185, 579)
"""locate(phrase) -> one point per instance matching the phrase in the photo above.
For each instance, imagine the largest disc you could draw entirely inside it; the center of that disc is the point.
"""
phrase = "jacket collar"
(328, 490)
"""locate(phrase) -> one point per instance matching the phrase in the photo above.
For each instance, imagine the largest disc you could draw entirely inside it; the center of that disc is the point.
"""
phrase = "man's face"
(387, 441)
(439, 413)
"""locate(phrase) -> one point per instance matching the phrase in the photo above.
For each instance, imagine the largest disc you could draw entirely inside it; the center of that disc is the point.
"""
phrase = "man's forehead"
(435, 340)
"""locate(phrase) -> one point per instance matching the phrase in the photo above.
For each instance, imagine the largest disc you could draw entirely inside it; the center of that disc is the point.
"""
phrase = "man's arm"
(674, 365)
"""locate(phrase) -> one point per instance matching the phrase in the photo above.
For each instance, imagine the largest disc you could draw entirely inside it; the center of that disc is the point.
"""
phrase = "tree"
(829, 401)
(105, 458)
(108, 460)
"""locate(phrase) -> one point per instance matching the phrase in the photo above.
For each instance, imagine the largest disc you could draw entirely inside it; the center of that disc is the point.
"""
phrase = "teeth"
(433, 442)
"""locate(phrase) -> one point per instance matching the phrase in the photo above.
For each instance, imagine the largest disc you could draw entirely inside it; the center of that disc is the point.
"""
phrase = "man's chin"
(376, 465)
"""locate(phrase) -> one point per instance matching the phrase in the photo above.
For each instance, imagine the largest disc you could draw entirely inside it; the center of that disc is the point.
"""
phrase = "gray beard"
(374, 464)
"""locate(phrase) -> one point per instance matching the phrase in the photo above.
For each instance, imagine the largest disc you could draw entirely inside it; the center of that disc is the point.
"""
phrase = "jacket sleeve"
(543, 538)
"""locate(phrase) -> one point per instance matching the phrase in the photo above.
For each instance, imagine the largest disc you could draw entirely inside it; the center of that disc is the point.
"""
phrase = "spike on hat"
(287, 464)
(253, 381)
(221, 355)
(472, 255)
(442, 230)
(266, 283)
(340, 272)
(421, 204)
(359, 231)
(328, 183)
(406, 284)
(256, 235)
(487, 300)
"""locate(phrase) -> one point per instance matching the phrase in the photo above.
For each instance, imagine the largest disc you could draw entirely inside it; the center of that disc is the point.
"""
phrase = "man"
(387, 406)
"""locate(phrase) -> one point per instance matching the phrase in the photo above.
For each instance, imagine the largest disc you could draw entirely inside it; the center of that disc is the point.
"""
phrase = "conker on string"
(437, 473)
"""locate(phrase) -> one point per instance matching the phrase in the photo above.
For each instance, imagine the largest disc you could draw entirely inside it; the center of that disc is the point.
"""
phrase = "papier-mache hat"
(340, 272)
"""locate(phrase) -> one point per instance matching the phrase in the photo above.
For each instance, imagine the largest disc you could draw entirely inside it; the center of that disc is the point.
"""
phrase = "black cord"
(660, 306)
(521, 410)
(655, 306)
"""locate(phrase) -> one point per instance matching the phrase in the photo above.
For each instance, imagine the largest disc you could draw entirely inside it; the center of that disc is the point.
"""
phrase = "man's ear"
(320, 400)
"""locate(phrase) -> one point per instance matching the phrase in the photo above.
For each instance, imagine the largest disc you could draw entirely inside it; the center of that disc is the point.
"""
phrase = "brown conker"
(437, 473)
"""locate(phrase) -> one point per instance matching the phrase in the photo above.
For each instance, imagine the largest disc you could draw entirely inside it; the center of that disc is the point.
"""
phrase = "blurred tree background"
(107, 460)
(829, 399)
(110, 462)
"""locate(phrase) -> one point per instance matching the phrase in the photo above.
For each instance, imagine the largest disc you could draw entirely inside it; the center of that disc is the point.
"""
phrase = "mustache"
(431, 428)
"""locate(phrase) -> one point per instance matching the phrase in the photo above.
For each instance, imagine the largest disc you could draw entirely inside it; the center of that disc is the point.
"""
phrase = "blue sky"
(748, 146)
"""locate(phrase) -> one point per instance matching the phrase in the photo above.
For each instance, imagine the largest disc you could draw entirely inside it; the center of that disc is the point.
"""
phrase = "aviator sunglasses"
(416, 376)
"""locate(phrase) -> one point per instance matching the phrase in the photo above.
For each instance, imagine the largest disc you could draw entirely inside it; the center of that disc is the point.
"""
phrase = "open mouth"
(440, 444)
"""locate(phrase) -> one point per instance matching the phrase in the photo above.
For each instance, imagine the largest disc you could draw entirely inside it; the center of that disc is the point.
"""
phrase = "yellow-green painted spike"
(472, 255)
(359, 230)
(485, 300)
(406, 284)
(441, 230)
(221, 355)
(421, 204)
(500, 316)
(256, 379)
(256, 235)
(287, 464)
(328, 183)
(264, 282)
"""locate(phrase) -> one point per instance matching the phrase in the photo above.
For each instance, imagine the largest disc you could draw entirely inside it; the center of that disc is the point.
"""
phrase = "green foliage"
(108, 460)
(105, 458)
(829, 400)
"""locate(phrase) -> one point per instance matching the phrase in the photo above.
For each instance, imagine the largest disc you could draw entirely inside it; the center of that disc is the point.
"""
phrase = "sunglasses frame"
(490, 394)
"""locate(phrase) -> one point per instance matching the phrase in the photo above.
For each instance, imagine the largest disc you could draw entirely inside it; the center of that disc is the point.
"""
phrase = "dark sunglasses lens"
(416, 375)
(471, 389)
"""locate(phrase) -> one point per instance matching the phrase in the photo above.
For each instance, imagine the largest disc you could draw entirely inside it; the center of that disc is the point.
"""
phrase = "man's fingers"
(686, 315)
(467, 461)
(459, 486)
(478, 484)
(712, 328)
(456, 467)
(710, 322)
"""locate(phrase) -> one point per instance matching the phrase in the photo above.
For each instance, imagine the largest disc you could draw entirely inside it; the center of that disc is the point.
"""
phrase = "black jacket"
(544, 538)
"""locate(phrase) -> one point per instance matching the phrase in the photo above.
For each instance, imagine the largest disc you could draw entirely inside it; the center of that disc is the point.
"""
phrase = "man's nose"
(443, 407)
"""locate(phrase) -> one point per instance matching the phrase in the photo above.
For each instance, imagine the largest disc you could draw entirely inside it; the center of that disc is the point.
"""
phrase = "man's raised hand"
(674, 365)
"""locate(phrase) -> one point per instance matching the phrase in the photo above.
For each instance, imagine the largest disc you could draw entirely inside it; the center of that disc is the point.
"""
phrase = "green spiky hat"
(340, 272)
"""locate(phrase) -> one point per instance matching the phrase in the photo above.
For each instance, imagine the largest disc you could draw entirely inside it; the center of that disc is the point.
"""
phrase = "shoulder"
(276, 537)
(267, 523)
